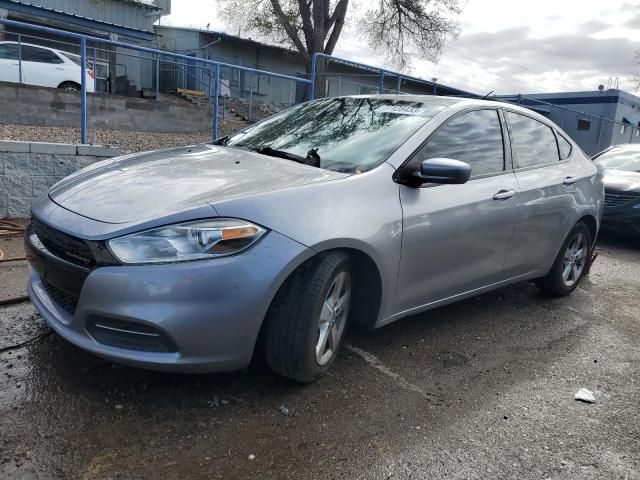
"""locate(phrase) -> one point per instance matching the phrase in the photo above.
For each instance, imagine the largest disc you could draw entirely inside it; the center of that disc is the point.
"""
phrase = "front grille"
(618, 199)
(65, 300)
(129, 335)
(66, 247)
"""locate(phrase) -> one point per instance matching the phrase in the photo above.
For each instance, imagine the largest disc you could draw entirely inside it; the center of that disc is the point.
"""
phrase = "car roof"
(30, 45)
(461, 103)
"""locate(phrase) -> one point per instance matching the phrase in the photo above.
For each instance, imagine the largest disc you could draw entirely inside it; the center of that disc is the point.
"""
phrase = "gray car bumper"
(211, 311)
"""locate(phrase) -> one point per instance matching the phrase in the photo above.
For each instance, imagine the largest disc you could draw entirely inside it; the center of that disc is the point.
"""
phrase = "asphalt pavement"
(480, 389)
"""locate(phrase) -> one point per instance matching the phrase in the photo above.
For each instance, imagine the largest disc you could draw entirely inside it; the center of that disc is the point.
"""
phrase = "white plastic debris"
(585, 395)
(252, 457)
(284, 410)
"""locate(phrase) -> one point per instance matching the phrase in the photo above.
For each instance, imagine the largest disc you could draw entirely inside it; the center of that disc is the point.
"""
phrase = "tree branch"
(291, 32)
(331, 20)
(338, 17)
(307, 26)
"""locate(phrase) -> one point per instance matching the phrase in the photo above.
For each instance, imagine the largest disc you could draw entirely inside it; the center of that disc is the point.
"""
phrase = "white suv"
(42, 66)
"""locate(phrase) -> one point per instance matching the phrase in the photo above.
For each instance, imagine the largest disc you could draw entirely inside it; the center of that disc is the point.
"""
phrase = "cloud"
(513, 59)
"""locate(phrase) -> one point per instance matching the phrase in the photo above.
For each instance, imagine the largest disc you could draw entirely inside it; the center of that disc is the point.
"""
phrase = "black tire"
(554, 284)
(292, 323)
(70, 86)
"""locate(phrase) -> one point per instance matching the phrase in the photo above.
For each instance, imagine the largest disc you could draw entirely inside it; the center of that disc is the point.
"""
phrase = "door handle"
(570, 180)
(504, 195)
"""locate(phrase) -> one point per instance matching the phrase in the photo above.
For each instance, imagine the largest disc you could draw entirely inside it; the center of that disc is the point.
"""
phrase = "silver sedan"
(271, 241)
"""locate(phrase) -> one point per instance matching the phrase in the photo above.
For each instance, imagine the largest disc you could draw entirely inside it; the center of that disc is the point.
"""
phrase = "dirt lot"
(481, 389)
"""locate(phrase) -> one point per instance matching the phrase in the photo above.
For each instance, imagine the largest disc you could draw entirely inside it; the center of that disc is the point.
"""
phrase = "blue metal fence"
(217, 66)
(382, 74)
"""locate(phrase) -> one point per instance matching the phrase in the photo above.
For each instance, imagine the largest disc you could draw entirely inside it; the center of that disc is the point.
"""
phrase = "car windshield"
(352, 134)
(620, 159)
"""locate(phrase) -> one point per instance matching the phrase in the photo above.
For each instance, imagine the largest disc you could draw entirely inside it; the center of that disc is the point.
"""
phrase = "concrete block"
(4, 204)
(64, 164)
(53, 148)
(84, 161)
(19, 207)
(41, 185)
(15, 186)
(8, 146)
(28, 164)
(98, 151)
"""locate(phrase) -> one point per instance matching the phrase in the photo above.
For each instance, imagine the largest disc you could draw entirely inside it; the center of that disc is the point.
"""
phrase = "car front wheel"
(308, 318)
(570, 264)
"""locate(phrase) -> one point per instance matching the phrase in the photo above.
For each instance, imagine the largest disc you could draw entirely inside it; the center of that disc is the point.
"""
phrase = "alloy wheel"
(575, 259)
(333, 318)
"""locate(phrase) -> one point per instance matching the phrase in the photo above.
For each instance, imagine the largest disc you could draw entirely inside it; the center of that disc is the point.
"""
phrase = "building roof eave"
(76, 20)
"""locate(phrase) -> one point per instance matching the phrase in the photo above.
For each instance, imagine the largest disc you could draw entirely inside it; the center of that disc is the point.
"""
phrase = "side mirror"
(443, 171)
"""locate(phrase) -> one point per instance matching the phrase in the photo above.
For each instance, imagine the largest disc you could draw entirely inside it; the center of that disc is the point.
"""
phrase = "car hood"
(622, 180)
(153, 184)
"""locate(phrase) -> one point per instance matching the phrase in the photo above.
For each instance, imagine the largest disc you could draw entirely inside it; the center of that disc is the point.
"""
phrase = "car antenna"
(485, 97)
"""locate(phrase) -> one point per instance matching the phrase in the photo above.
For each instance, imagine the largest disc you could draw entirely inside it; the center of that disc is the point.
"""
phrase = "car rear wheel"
(570, 264)
(306, 323)
(69, 86)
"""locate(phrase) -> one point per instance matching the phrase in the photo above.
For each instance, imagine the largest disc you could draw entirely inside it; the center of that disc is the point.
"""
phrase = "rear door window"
(533, 143)
(474, 137)
(8, 51)
(39, 55)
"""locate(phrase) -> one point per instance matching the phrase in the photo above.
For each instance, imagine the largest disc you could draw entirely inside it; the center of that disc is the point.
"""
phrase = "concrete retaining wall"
(28, 169)
(53, 107)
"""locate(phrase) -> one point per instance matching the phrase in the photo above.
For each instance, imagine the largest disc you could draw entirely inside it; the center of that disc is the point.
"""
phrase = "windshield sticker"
(416, 109)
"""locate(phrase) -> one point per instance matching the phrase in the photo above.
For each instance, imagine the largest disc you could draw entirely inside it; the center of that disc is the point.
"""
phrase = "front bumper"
(624, 220)
(210, 311)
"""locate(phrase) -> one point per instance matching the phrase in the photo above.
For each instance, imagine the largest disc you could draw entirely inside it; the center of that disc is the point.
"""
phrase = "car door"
(455, 237)
(41, 66)
(9, 62)
(547, 184)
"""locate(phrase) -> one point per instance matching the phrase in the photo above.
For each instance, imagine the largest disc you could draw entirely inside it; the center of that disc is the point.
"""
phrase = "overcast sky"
(508, 46)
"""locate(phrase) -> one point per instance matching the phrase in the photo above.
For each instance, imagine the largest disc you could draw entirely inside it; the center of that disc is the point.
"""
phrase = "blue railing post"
(158, 77)
(83, 90)
(381, 84)
(210, 78)
(20, 58)
(216, 92)
(312, 89)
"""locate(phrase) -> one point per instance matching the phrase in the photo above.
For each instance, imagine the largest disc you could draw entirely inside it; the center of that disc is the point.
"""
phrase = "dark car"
(622, 188)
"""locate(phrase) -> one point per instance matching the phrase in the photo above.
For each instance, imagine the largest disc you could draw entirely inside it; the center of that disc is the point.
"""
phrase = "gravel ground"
(127, 141)
(482, 389)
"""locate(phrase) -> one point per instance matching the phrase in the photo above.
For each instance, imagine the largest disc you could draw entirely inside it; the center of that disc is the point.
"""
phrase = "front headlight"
(187, 241)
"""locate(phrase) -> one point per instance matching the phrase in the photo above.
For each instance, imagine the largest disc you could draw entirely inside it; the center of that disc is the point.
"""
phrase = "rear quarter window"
(564, 146)
(533, 143)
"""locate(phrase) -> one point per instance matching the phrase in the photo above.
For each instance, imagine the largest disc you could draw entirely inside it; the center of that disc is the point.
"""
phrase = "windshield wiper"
(272, 152)
(221, 141)
(312, 158)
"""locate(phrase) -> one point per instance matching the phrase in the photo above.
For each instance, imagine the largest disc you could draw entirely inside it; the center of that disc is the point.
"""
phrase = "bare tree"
(396, 27)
